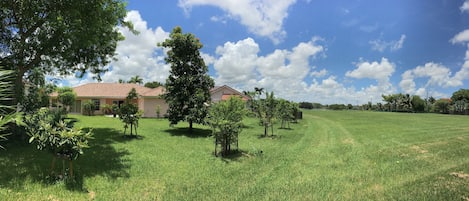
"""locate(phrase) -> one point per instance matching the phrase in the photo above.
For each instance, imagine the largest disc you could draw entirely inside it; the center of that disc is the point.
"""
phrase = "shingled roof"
(113, 90)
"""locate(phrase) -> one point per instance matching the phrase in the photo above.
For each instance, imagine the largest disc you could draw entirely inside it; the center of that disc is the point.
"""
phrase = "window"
(96, 104)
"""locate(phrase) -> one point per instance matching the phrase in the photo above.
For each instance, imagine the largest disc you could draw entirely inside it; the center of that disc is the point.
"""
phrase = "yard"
(329, 155)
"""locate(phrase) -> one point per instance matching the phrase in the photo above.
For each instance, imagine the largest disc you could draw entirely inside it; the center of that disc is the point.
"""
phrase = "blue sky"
(344, 51)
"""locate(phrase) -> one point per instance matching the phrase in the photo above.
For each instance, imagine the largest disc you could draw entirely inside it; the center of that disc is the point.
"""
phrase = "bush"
(51, 132)
(88, 108)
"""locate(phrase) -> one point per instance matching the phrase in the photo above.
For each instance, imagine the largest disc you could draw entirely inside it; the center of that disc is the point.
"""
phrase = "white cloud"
(381, 45)
(262, 17)
(136, 55)
(465, 6)
(287, 73)
(380, 71)
(437, 75)
(320, 73)
(237, 62)
(461, 37)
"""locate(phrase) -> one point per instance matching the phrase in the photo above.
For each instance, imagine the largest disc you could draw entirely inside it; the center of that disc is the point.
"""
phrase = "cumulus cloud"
(239, 65)
(320, 73)
(262, 17)
(379, 71)
(465, 6)
(237, 62)
(438, 75)
(381, 45)
(139, 54)
(461, 37)
(288, 73)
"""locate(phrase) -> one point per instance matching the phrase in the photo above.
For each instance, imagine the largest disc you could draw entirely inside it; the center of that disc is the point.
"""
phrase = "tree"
(128, 112)
(66, 96)
(136, 80)
(266, 111)
(285, 112)
(188, 85)
(225, 118)
(59, 37)
(460, 101)
(88, 107)
(153, 84)
(7, 113)
(38, 91)
(49, 130)
(418, 104)
(441, 106)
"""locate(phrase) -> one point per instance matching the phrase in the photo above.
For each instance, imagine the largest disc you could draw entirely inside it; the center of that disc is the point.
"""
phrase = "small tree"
(225, 118)
(285, 112)
(51, 132)
(266, 111)
(88, 108)
(66, 96)
(129, 113)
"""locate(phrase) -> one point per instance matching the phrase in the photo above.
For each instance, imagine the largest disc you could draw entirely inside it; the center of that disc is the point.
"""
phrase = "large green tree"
(188, 85)
(58, 37)
(460, 101)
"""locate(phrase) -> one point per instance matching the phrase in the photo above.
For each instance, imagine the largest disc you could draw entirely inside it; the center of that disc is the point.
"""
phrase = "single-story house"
(148, 99)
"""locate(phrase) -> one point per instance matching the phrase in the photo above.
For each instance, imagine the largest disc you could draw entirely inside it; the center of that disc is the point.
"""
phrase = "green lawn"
(329, 155)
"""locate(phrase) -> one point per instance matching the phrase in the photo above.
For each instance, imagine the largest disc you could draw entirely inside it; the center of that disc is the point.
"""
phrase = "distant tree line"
(457, 104)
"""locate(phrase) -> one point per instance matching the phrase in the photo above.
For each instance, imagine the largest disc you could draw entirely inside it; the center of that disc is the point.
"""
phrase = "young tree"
(88, 108)
(66, 96)
(129, 113)
(188, 85)
(59, 37)
(225, 118)
(51, 132)
(285, 113)
(265, 110)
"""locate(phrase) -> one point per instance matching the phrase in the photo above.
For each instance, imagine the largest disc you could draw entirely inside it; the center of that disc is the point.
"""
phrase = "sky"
(342, 51)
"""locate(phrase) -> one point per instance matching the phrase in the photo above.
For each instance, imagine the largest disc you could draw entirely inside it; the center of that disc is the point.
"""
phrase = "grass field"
(329, 155)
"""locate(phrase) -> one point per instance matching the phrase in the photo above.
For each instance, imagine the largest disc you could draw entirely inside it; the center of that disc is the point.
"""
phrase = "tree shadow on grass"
(196, 132)
(272, 137)
(238, 155)
(22, 163)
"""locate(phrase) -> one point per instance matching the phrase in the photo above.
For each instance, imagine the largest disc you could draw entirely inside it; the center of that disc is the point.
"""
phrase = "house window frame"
(97, 104)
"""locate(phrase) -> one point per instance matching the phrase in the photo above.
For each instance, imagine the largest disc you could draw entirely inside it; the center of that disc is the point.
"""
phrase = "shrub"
(51, 132)
(88, 108)
(225, 119)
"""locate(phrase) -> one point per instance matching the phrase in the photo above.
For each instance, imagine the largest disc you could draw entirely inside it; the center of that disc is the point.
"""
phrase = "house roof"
(113, 90)
(226, 96)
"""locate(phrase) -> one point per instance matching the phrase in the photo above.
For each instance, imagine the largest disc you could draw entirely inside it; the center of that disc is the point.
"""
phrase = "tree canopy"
(188, 85)
(59, 37)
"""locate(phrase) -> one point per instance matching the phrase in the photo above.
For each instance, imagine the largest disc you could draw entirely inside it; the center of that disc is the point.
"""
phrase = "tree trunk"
(190, 126)
(52, 165)
(70, 167)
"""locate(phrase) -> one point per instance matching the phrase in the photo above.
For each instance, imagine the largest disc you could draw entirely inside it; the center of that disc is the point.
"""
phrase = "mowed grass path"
(329, 155)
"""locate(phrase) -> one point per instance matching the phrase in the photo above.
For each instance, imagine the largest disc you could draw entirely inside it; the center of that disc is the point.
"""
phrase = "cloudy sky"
(344, 51)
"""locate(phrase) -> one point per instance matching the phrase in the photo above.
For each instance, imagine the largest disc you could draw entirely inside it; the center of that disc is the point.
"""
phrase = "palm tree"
(6, 95)
(136, 79)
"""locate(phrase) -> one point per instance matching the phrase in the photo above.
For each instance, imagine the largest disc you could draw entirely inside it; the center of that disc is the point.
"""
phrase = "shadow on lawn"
(196, 132)
(22, 162)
